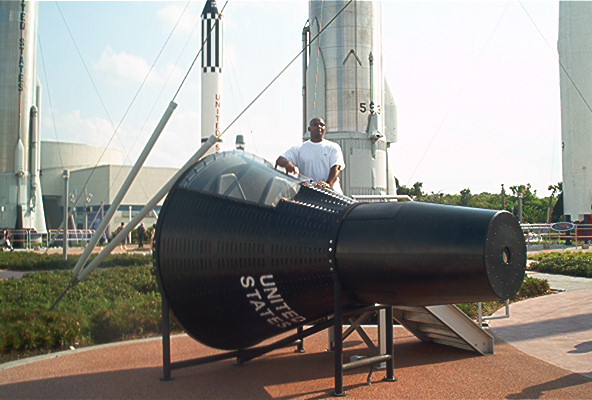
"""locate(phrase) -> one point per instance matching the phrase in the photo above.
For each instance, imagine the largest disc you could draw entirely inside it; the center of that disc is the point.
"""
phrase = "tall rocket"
(345, 85)
(20, 97)
(575, 54)
(211, 71)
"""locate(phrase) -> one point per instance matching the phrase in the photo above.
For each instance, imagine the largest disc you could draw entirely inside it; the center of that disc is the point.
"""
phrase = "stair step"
(422, 318)
(444, 324)
(454, 344)
(447, 338)
(440, 330)
(411, 308)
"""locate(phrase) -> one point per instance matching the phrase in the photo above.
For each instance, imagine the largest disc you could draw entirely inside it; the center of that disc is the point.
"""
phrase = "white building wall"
(103, 184)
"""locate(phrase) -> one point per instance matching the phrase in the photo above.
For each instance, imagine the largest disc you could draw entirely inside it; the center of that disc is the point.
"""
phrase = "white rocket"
(346, 87)
(20, 97)
(211, 71)
(575, 54)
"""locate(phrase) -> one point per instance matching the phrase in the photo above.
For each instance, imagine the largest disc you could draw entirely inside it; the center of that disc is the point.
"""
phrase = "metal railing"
(547, 234)
(75, 237)
(481, 318)
(382, 198)
(30, 239)
(24, 238)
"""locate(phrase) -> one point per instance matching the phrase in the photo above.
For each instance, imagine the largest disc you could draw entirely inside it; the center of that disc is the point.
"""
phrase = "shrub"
(565, 263)
(113, 304)
(531, 287)
(37, 328)
(32, 261)
(136, 317)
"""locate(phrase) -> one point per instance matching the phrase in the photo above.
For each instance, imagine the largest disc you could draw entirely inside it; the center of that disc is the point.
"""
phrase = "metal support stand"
(338, 336)
(340, 367)
(300, 343)
(244, 355)
(166, 341)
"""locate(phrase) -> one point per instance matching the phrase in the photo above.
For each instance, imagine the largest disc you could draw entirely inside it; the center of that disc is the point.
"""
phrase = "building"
(95, 176)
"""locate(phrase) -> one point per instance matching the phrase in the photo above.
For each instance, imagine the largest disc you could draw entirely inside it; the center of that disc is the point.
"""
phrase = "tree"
(465, 197)
(415, 191)
(534, 209)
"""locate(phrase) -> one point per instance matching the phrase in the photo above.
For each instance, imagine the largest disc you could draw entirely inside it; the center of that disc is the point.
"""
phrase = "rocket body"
(575, 54)
(20, 191)
(211, 72)
(345, 85)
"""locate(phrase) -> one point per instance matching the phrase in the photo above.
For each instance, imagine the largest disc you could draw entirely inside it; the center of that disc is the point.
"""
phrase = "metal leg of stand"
(390, 346)
(166, 342)
(331, 339)
(300, 346)
(338, 332)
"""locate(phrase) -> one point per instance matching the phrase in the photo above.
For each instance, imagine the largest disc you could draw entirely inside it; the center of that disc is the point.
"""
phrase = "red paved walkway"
(425, 371)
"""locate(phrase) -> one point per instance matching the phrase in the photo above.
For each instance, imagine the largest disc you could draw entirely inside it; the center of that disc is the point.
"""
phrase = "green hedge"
(113, 304)
(573, 263)
(32, 261)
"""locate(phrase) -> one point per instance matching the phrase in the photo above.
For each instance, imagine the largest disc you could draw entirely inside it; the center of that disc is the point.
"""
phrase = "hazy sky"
(476, 83)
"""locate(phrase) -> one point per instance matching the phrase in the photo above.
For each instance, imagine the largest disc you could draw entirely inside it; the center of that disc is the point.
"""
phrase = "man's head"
(317, 129)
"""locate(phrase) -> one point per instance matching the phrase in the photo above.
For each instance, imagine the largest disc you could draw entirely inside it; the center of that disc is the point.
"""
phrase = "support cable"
(456, 97)
(558, 60)
(50, 103)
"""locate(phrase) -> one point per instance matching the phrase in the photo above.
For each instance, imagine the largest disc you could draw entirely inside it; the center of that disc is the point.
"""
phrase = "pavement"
(543, 351)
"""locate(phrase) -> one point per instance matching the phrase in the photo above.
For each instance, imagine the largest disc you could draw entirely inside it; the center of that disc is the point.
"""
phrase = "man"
(6, 236)
(141, 235)
(117, 231)
(317, 158)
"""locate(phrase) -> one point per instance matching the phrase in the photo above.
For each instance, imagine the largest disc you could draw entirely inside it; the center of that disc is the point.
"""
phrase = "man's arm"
(333, 174)
(287, 164)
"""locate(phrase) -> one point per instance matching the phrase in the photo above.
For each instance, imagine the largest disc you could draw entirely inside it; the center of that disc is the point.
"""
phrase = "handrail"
(481, 318)
(382, 197)
(543, 233)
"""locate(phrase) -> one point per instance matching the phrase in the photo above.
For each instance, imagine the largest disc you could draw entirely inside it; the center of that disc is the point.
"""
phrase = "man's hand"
(288, 165)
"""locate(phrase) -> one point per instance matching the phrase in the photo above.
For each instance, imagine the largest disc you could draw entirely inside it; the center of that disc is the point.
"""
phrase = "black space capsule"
(244, 252)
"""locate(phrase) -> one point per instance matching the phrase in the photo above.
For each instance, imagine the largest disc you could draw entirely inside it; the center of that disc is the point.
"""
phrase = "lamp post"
(520, 195)
(66, 176)
(87, 200)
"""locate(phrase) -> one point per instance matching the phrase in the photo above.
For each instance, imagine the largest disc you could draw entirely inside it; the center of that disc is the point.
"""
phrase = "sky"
(476, 83)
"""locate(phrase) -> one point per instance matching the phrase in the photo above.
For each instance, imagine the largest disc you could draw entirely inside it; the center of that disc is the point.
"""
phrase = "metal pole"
(390, 346)
(66, 176)
(338, 327)
(129, 236)
(382, 333)
(520, 207)
(305, 32)
(166, 341)
(83, 274)
(124, 188)
(300, 345)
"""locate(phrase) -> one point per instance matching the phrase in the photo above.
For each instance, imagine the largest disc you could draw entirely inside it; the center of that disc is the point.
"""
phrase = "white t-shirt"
(315, 160)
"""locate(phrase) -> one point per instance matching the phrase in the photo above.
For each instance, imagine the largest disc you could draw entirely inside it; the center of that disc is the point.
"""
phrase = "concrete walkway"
(562, 282)
(556, 328)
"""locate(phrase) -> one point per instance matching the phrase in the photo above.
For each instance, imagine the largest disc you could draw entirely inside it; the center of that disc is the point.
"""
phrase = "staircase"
(444, 324)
